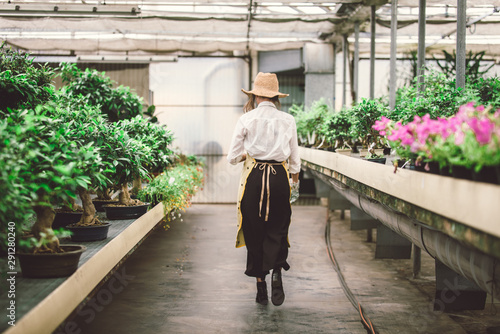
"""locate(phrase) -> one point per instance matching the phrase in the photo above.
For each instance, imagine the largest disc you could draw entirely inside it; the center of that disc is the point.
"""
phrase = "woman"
(265, 138)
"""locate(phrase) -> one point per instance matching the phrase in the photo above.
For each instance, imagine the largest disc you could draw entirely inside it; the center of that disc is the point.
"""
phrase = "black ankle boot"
(262, 293)
(277, 293)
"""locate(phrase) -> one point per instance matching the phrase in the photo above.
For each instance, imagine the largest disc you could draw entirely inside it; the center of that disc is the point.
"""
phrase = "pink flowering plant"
(470, 138)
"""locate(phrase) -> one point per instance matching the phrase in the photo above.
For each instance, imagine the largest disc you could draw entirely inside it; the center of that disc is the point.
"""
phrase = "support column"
(344, 71)
(372, 53)
(355, 71)
(319, 61)
(391, 245)
(394, 36)
(360, 220)
(456, 293)
(421, 45)
(461, 42)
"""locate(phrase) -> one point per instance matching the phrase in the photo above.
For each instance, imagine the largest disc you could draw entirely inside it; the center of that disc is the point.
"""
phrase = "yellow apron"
(248, 165)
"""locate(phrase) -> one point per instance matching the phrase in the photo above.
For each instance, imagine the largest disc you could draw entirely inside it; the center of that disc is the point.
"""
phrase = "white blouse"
(265, 133)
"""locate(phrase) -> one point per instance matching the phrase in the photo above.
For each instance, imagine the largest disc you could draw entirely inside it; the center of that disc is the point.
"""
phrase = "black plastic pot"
(62, 219)
(48, 265)
(461, 172)
(487, 174)
(98, 204)
(89, 233)
(125, 212)
(378, 160)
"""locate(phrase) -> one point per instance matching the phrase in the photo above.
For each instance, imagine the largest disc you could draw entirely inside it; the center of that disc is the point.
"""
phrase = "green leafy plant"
(175, 187)
(364, 115)
(309, 122)
(48, 169)
(98, 90)
(474, 65)
(336, 129)
(22, 84)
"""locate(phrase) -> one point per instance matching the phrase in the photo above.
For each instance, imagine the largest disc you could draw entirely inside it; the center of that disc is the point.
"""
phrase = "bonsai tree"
(309, 122)
(364, 115)
(336, 129)
(156, 137)
(49, 167)
(87, 124)
(22, 84)
(127, 157)
(98, 90)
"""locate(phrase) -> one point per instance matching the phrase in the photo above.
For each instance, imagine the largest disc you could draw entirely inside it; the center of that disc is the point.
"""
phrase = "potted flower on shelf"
(466, 142)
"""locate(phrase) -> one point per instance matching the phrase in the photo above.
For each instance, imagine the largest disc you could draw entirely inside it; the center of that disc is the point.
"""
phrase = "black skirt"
(266, 213)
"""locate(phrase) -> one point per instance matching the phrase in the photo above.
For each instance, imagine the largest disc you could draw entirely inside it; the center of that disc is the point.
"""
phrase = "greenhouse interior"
(138, 140)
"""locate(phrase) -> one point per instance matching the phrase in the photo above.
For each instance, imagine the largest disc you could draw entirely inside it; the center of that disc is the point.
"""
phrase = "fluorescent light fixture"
(21, 9)
(123, 59)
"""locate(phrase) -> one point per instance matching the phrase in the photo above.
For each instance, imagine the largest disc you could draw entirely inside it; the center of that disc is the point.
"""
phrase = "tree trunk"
(136, 185)
(124, 198)
(104, 195)
(42, 229)
(71, 205)
(89, 217)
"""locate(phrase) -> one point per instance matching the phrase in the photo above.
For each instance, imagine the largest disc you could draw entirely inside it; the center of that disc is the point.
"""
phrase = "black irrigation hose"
(364, 319)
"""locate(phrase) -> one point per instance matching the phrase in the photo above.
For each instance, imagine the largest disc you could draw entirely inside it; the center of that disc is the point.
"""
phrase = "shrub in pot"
(175, 187)
(47, 169)
(97, 89)
(364, 115)
(309, 121)
(336, 129)
(157, 137)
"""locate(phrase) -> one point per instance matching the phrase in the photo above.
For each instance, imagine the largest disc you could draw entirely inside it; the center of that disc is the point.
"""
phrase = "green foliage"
(98, 90)
(363, 117)
(38, 164)
(175, 187)
(155, 136)
(22, 85)
(336, 129)
(310, 121)
(474, 69)
(440, 98)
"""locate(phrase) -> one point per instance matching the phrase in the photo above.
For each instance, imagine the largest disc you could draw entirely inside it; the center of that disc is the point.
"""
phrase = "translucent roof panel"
(158, 27)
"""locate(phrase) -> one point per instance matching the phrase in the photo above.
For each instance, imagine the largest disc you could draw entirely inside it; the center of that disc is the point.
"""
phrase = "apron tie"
(268, 168)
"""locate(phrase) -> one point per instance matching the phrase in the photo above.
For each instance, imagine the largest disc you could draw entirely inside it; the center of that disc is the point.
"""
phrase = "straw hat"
(265, 84)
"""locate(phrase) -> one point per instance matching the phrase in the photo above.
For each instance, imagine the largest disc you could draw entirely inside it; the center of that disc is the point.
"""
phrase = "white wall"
(200, 100)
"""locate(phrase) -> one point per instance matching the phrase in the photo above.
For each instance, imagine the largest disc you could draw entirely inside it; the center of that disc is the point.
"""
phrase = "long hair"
(250, 105)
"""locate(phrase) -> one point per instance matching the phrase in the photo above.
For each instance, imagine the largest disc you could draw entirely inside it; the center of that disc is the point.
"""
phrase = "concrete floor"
(189, 279)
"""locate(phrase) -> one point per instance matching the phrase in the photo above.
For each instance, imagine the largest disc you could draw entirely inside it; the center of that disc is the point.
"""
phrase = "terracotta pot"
(125, 212)
(47, 265)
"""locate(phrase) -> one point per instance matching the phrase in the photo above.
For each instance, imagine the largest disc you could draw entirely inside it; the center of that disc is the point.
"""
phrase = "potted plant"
(336, 130)
(127, 157)
(176, 186)
(157, 137)
(364, 115)
(309, 123)
(87, 123)
(466, 142)
(45, 173)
